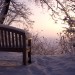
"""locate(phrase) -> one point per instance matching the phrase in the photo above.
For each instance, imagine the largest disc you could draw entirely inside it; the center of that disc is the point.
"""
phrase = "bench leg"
(29, 57)
(24, 58)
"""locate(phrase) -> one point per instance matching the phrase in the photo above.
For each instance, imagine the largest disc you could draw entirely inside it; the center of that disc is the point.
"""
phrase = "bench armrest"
(29, 42)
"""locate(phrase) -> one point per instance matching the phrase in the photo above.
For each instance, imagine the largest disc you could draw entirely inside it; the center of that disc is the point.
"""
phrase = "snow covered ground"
(11, 64)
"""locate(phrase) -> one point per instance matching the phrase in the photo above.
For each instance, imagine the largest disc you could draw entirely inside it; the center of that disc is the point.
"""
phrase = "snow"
(11, 64)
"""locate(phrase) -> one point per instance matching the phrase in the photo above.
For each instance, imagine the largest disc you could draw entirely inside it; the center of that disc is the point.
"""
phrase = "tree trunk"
(4, 11)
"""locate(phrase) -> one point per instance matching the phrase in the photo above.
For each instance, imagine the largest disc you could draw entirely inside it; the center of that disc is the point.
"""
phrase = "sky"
(44, 24)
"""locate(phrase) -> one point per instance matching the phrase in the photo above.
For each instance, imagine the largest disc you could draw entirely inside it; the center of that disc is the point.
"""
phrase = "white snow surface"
(11, 64)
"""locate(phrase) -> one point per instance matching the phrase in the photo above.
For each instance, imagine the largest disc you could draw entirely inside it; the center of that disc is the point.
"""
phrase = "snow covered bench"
(14, 40)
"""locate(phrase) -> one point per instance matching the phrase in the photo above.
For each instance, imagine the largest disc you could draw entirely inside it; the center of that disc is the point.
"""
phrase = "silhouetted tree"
(4, 10)
(15, 12)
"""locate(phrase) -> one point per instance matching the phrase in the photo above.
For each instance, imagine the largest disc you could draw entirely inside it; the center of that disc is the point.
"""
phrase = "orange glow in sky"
(44, 24)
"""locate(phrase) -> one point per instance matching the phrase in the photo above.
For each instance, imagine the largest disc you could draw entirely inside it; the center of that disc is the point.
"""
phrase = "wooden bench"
(14, 40)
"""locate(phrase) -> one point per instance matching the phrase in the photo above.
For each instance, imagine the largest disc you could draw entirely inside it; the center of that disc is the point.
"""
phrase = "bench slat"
(9, 41)
(2, 38)
(12, 39)
(11, 49)
(20, 41)
(16, 39)
(6, 43)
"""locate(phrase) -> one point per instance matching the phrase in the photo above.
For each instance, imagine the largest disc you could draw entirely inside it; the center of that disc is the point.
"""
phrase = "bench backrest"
(11, 37)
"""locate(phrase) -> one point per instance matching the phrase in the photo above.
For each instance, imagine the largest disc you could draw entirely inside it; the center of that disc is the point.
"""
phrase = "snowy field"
(11, 64)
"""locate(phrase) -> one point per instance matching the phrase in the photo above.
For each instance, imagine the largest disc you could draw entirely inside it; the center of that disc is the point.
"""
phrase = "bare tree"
(15, 12)
(63, 10)
(18, 12)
